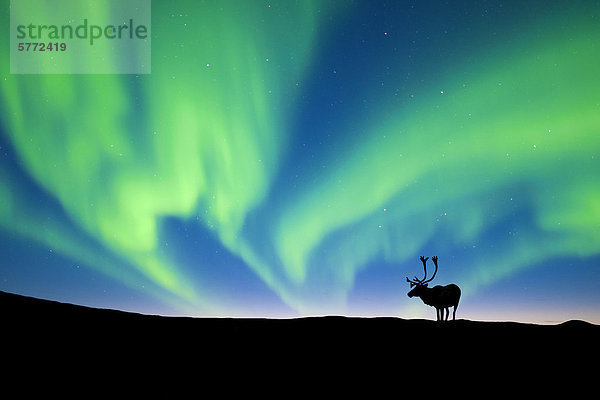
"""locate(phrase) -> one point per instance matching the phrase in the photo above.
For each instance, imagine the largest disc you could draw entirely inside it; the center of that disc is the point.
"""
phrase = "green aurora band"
(203, 137)
(202, 141)
(450, 161)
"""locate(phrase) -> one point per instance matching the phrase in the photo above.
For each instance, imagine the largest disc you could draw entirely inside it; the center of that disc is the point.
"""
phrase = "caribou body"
(440, 297)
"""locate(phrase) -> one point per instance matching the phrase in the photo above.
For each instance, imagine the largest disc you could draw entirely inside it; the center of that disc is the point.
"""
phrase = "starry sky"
(291, 158)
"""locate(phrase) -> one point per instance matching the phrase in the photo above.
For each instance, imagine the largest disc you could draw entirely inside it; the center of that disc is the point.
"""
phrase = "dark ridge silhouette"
(47, 345)
(31, 327)
(440, 297)
(28, 315)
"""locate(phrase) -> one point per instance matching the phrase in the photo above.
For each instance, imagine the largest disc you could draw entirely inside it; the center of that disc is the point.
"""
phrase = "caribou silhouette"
(440, 297)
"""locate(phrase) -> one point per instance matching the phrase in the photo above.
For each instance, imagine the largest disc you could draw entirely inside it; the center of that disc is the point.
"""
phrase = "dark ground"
(26, 316)
(37, 331)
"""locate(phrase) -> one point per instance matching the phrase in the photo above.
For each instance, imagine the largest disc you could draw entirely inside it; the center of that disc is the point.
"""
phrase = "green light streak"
(198, 137)
(202, 137)
(533, 120)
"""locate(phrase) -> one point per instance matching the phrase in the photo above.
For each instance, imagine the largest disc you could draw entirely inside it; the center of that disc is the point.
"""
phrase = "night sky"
(289, 158)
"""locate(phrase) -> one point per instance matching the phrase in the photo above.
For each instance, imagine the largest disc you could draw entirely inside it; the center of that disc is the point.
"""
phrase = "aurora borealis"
(289, 158)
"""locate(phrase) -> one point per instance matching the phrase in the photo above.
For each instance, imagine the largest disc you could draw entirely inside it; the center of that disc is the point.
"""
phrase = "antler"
(418, 281)
(434, 259)
(424, 261)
